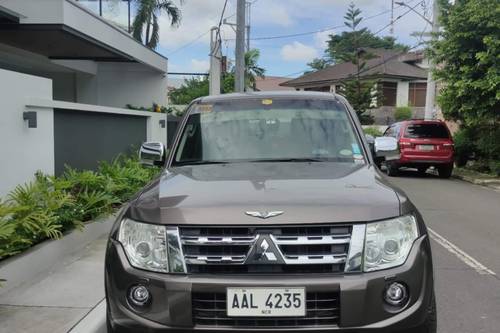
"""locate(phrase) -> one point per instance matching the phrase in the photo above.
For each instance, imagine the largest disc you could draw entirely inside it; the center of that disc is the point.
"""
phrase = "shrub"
(402, 113)
(373, 131)
(48, 206)
(464, 146)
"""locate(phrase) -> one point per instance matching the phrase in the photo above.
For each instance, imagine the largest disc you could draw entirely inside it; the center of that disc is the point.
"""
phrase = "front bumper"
(361, 305)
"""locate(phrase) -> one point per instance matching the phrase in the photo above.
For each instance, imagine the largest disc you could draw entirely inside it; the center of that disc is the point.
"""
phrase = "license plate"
(266, 302)
(426, 147)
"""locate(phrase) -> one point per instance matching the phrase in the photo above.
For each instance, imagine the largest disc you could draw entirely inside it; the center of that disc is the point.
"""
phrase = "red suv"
(422, 143)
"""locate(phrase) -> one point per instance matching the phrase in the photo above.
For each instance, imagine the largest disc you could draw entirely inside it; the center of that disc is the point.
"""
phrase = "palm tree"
(146, 21)
(252, 69)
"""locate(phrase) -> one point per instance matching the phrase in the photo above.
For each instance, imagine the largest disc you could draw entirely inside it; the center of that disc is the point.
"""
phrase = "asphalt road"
(467, 271)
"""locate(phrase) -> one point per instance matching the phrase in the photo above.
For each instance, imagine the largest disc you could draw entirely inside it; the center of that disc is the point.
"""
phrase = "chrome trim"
(195, 240)
(354, 263)
(314, 259)
(175, 252)
(311, 240)
(204, 260)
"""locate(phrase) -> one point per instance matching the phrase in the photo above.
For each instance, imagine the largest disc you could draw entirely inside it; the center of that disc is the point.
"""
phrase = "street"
(468, 216)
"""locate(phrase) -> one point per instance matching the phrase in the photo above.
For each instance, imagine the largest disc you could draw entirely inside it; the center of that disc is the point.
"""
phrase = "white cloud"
(198, 16)
(272, 13)
(200, 66)
(321, 38)
(297, 51)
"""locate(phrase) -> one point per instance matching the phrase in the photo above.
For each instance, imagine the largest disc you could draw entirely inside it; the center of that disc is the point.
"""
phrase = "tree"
(361, 93)
(191, 89)
(468, 54)
(252, 69)
(146, 21)
(344, 44)
(318, 64)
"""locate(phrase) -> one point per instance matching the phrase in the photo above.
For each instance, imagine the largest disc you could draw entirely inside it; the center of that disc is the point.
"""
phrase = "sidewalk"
(477, 178)
(58, 301)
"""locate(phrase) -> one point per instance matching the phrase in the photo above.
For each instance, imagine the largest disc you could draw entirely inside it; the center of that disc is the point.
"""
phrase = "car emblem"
(264, 215)
(264, 246)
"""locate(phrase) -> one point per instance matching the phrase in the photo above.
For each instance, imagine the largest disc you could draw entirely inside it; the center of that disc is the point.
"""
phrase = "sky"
(187, 46)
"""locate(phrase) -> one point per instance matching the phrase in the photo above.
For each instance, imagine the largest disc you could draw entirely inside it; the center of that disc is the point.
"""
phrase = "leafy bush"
(464, 147)
(50, 206)
(373, 131)
(402, 113)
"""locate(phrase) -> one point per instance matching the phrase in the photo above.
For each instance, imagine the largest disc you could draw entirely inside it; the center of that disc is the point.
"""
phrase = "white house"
(66, 76)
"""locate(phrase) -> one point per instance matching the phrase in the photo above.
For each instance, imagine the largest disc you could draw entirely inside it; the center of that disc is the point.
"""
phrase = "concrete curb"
(492, 183)
(48, 255)
(94, 321)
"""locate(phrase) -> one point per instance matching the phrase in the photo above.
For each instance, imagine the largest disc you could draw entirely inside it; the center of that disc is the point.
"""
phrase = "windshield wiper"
(200, 162)
(289, 160)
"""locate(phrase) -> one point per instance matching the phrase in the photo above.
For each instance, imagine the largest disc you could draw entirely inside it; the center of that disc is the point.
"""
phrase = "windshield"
(437, 131)
(260, 130)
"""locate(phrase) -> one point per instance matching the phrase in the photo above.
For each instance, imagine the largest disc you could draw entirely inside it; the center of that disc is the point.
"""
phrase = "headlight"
(388, 243)
(152, 247)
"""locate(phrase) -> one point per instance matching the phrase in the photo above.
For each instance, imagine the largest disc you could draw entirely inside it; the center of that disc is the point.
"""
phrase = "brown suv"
(269, 215)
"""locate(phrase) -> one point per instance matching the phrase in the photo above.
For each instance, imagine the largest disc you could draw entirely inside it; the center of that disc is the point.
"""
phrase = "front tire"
(109, 328)
(430, 325)
(445, 171)
(392, 169)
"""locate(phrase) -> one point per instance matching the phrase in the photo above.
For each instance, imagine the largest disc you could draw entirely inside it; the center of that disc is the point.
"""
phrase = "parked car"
(422, 143)
(269, 215)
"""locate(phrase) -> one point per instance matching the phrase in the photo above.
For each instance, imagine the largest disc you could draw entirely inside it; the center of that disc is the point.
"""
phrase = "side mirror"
(387, 147)
(152, 153)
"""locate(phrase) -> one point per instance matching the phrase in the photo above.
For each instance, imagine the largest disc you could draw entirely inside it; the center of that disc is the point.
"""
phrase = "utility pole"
(239, 79)
(215, 62)
(249, 18)
(430, 95)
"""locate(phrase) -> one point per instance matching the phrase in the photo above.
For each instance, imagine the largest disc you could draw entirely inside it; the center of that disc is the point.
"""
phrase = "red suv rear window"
(438, 131)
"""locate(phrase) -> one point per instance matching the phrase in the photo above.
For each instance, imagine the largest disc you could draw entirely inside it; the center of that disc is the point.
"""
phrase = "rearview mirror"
(152, 153)
(387, 147)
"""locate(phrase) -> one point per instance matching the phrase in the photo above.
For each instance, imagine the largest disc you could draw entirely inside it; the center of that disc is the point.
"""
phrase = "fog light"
(139, 295)
(396, 294)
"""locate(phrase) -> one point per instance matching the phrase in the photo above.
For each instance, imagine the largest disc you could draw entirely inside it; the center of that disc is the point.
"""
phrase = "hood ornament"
(264, 214)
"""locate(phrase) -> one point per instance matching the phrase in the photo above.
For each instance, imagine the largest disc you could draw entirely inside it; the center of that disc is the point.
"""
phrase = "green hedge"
(402, 113)
(50, 206)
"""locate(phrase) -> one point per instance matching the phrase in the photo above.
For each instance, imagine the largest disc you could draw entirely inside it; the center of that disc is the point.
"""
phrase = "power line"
(316, 31)
(189, 43)
(397, 18)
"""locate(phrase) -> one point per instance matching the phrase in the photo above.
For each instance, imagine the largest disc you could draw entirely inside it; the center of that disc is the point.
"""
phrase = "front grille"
(231, 250)
(322, 309)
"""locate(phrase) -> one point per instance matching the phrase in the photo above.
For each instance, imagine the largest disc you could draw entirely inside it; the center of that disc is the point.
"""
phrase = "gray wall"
(82, 139)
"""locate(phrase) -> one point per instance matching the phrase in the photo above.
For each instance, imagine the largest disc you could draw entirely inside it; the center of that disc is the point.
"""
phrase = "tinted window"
(265, 129)
(426, 131)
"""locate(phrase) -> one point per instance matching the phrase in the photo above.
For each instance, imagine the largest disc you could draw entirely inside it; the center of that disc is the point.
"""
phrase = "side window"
(389, 131)
(397, 129)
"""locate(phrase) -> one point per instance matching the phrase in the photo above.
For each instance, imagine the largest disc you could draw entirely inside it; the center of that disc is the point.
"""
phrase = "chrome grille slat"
(315, 259)
(310, 240)
(214, 240)
(201, 260)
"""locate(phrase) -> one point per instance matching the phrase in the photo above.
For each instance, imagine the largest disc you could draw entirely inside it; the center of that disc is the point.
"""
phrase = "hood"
(305, 192)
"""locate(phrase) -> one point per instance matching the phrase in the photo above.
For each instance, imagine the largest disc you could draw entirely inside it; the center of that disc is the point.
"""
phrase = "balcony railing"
(116, 11)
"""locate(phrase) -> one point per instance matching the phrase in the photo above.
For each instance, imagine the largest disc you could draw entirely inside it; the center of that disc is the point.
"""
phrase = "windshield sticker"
(358, 158)
(355, 149)
(267, 101)
(203, 108)
(346, 152)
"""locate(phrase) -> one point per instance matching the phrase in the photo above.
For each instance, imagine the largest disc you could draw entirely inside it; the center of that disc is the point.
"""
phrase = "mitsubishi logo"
(264, 214)
(264, 251)
(264, 246)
